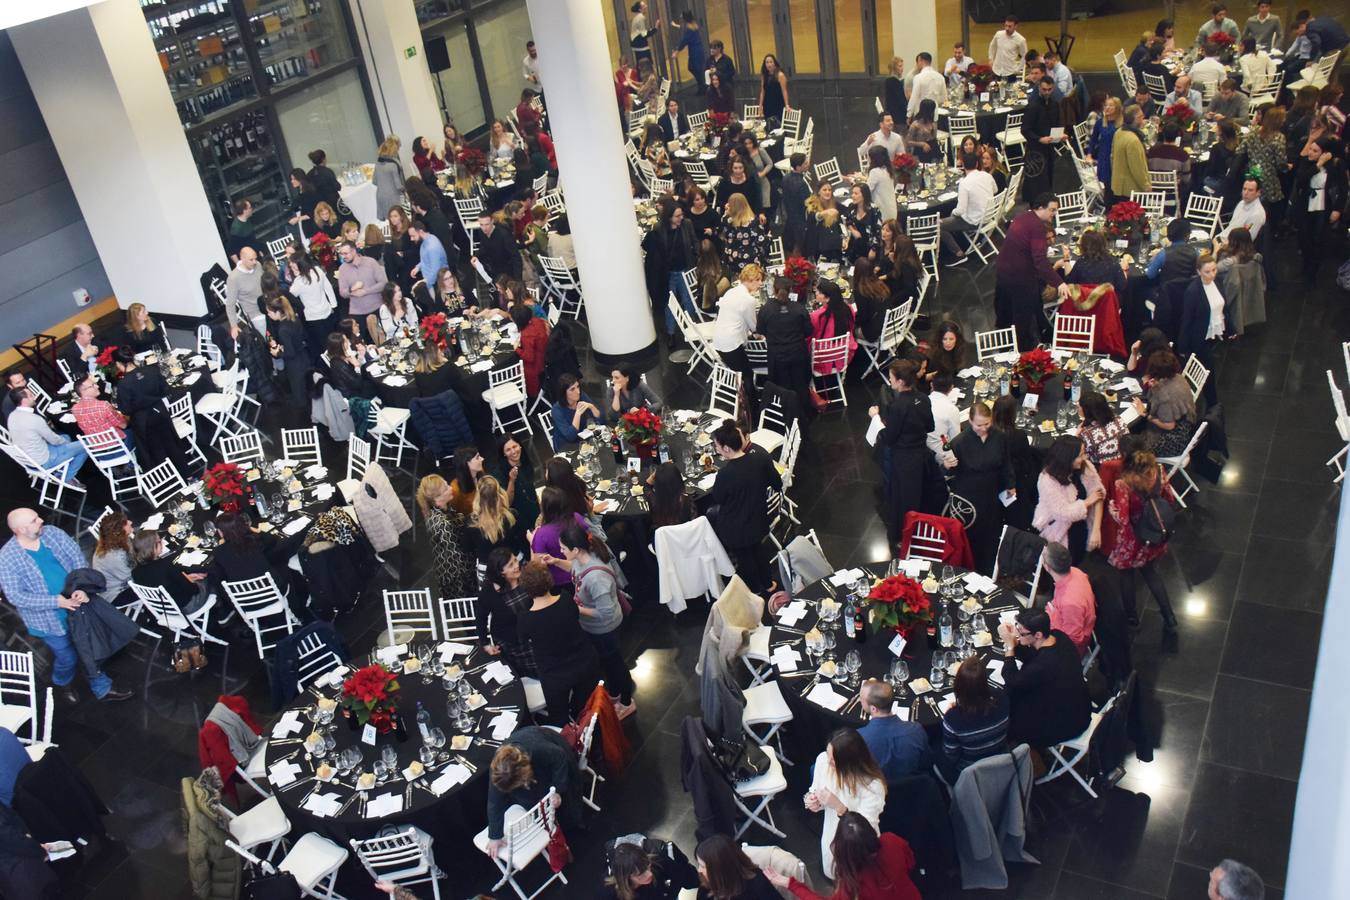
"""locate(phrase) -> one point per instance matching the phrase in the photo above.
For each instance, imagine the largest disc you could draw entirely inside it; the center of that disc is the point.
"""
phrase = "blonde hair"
(491, 513)
(280, 304)
(374, 236)
(133, 313)
(738, 212)
(752, 272)
(323, 207)
(1112, 103)
(428, 489)
(828, 217)
(897, 65)
(350, 227)
(390, 147)
(430, 359)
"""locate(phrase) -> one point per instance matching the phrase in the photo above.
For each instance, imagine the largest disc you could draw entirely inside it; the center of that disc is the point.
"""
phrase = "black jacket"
(326, 186)
(786, 328)
(702, 779)
(1194, 324)
(917, 811)
(97, 628)
(742, 518)
(286, 656)
(441, 423)
(498, 252)
(350, 383)
(1048, 696)
(56, 801)
(669, 131)
(1039, 119)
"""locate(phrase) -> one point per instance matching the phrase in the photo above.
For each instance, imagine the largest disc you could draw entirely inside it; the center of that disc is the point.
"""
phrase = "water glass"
(209, 533)
(852, 663)
(381, 771)
(427, 754)
(390, 757)
(830, 643)
(937, 675)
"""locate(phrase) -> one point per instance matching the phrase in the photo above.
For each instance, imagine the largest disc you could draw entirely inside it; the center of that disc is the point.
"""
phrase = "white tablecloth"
(360, 199)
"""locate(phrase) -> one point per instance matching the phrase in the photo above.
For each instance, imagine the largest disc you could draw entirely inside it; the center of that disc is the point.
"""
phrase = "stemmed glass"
(437, 740)
(208, 534)
(830, 642)
(278, 508)
(390, 758)
(852, 663)
(899, 673)
(937, 675)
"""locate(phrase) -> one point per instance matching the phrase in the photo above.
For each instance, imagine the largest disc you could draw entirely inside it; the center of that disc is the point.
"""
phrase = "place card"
(253, 474)
(1031, 401)
(897, 645)
(293, 504)
(455, 774)
(824, 695)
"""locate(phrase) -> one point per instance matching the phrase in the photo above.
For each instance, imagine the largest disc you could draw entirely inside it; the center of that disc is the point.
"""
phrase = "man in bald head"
(82, 352)
(34, 564)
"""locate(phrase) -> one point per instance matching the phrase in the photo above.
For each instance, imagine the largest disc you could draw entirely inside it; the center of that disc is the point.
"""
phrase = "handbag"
(740, 761)
(625, 604)
(1153, 523)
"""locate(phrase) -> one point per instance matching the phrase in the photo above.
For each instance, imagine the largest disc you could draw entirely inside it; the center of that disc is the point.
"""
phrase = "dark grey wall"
(45, 249)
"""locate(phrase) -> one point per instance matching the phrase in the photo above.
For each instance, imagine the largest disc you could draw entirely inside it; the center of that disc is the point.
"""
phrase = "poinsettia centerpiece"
(899, 602)
(368, 694)
(435, 329)
(640, 427)
(1125, 219)
(1036, 366)
(799, 271)
(224, 486)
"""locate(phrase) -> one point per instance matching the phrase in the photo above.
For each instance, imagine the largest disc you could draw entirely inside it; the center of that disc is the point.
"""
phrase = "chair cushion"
(766, 438)
(312, 858)
(770, 783)
(504, 395)
(388, 419)
(262, 824)
(764, 703)
(215, 403)
(14, 717)
(523, 855)
(182, 429)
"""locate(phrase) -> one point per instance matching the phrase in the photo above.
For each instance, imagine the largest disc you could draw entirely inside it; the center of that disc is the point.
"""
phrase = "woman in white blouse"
(312, 287)
(501, 143)
(847, 779)
(881, 179)
(397, 313)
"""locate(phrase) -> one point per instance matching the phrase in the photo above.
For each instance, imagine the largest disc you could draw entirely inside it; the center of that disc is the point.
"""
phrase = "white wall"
(404, 96)
(913, 30)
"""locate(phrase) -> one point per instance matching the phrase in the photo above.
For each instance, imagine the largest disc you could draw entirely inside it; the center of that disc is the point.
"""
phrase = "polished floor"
(1248, 573)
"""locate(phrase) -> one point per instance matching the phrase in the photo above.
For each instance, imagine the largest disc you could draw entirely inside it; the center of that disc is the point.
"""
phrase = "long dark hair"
(577, 538)
(667, 500)
(854, 763)
(234, 529)
(559, 474)
(855, 847)
(973, 697)
(1005, 414)
(553, 506)
(726, 867)
(1096, 410)
(836, 307)
(305, 266)
(463, 477)
(497, 561)
(1059, 459)
(878, 157)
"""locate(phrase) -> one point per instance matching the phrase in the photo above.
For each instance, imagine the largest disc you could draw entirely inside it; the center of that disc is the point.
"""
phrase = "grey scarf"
(242, 739)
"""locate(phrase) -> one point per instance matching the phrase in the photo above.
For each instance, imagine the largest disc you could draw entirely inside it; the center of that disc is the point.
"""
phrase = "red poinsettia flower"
(472, 159)
(1221, 39)
(899, 602)
(1036, 365)
(799, 270)
(435, 329)
(905, 164)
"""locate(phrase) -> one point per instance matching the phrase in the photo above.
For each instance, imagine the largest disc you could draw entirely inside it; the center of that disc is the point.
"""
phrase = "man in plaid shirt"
(94, 415)
(34, 564)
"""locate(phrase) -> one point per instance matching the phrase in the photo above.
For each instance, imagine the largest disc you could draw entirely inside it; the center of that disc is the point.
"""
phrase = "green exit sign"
(410, 52)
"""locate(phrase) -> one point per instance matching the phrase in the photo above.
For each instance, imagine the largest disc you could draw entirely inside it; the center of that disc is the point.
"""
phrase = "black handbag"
(740, 761)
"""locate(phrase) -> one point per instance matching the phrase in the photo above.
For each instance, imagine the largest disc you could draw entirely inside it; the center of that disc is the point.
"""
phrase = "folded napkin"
(914, 567)
(324, 491)
(785, 659)
(1006, 356)
(949, 195)
(980, 583)
(791, 614)
(283, 773)
(334, 678)
(56, 406)
(995, 667)
(454, 774)
(1002, 109)
(191, 558)
(481, 366)
(396, 381)
(453, 648)
(390, 655)
(316, 471)
(287, 725)
(1110, 365)
(68, 419)
(67, 388)
(197, 360)
(1128, 414)
(326, 805)
(706, 482)
(384, 805)
(297, 526)
(504, 725)
(192, 379)
(499, 672)
(153, 522)
(1007, 617)
(846, 576)
(375, 370)
(970, 372)
(917, 204)
(823, 695)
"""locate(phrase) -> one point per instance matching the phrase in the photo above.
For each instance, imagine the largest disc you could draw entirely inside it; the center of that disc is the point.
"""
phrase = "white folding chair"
(263, 607)
(766, 709)
(1176, 465)
(468, 209)
(1153, 202)
(553, 200)
(992, 343)
(1203, 214)
(1074, 333)
(1065, 756)
(207, 347)
(545, 420)
(389, 426)
(404, 858)
(958, 126)
(751, 111)
(313, 861)
(457, 618)
(773, 426)
(506, 390)
(167, 614)
(698, 119)
(879, 353)
(776, 258)
(117, 463)
(276, 248)
(18, 694)
(829, 364)
(829, 171)
(1263, 91)
(1166, 183)
(562, 284)
(314, 660)
(407, 614)
(1318, 74)
(263, 823)
(41, 399)
(301, 446)
(1011, 135)
(926, 542)
(358, 458)
(1196, 375)
(1072, 208)
(690, 279)
(185, 425)
(160, 484)
(698, 335)
(725, 401)
(241, 448)
(1342, 423)
(792, 123)
(757, 352)
(222, 409)
(925, 232)
(698, 170)
(1082, 136)
(760, 791)
(981, 240)
(1035, 583)
(53, 481)
(527, 833)
(1157, 87)
(65, 370)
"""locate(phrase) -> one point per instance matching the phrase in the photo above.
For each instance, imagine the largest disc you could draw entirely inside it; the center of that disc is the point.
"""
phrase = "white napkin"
(153, 522)
(949, 195)
(946, 703)
(785, 659)
(504, 725)
(287, 725)
(396, 381)
(499, 672)
(56, 406)
(970, 372)
(706, 482)
(1006, 356)
(918, 204)
(481, 366)
(824, 695)
(914, 567)
(67, 388)
(846, 576)
(316, 471)
(324, 805)
(283, 773)
(375, 370)
(192, 379)
(297, 526)
(384, 805)
(324, 491)
(1110, 365)
(454, 774)
(191, 558)
(450, 649)
(980, 583)
(334, 678)
(1007, 617)
(197, 360)
(390, 655)
(68, 418)
(791, 614)
(995, 667)
(1128, 413)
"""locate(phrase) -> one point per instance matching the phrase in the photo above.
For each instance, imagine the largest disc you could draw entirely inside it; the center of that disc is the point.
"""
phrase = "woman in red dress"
(1141, 481)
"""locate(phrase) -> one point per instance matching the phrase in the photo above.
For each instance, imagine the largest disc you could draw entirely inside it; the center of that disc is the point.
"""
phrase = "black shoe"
(68, 695)
(116, 696)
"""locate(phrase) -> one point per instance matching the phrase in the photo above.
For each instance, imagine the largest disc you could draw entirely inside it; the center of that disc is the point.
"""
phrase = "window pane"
(330, 116)
(719, 29)
(502, 33)
(848, 35)
(297, 39)
(805, 37)
(885, 39)
(761, 31)
(204, 60)
(458, 85)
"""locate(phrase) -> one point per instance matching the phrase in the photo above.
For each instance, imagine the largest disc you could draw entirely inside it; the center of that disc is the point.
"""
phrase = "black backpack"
(1154, 523)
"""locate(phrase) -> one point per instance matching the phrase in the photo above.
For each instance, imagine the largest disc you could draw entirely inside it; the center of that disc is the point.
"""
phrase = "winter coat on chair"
(703, 780)
(214, 869)
(97, 629)
(379, 511)
(441, 423)
(286, 659)
(989, 805)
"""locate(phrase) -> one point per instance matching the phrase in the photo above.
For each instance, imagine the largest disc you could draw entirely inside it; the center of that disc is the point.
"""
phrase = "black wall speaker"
(438, 57)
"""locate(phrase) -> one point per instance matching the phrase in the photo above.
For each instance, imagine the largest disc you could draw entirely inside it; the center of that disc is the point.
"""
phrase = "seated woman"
(324, 220)
(1101, 430)
(501, 601)
(398, 315)
(726, 873)
(976, 726)
(626, 391)
(568, 666)
(446, 527)
(140, 332)
(898, 263)
(373, 244)
(846, 779)
(441, 295)
(833, 317)
(154, 569)
(824, 236)
(947, 352)
(425, 156)
(1095, 264)
(1047, 696)
(862, 224)
(1070, 503)
(636, 874)
(245, 552)
(346, 372)
(112, 557)
(1168, 407)
(670, 505)
(872, 299)
(431, 374)
(1150, 339)
(573, 412)
(867, 866)
(524, 768)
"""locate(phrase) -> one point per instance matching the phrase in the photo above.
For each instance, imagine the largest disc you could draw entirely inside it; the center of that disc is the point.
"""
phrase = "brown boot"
(182, 662)
(198, 656)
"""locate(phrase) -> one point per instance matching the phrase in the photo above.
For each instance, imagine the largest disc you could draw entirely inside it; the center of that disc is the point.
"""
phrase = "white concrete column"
(914, 30)
(574, 62)
(404, 96)
(98, 82)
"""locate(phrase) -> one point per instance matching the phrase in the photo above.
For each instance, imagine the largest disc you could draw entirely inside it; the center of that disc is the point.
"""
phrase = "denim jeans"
(677, 287)
(59, 453)
(67, 661)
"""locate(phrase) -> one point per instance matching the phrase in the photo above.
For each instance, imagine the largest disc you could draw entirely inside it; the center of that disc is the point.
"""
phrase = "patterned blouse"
(743, 244)
(868, 230)
(1272, 155)
(454, 566)
(1102, 442)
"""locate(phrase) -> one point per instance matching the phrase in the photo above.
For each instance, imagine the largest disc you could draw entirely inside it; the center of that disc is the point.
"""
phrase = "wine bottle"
(860, 622)
(400, 730)
(1068, 384)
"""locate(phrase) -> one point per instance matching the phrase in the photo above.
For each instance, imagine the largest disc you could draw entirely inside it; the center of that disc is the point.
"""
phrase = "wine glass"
(427, 754)
(937, 674)
(209, 533)
(381, 771)
(899, 673)
(852, 663)
(329, 743)
(830, 642)
(390, 757)
(465, 690)
(438, 741)
(278, 508)
(961, 641)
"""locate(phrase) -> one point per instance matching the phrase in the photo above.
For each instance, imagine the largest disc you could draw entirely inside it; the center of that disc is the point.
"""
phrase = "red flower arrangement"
(716, 123)
(640, 427)
(799, 270)
(106, 365)
(1220, 39)
(321, 248)
(1124, 219)
(368, 694)
(472, 159)
(435, 329)
(1180, 113)
(899, 602)
(224, 486)
(980, 76)
(905, 166)
(1036, 366)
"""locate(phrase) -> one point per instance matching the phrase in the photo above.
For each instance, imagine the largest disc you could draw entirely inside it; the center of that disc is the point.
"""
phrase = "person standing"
(886, 136)
(599, 599)
(1141, 484)
(1264, 27)
(786, 326)
(1042, 129)
(529, 68)
(738, 495)
(568, 665)
(1022, 268)
(34, 564)
(243, 286)
(640, 34)
(908, 420)
(796, 190)
(721, 65)
(323, 180)
(982, 473)
(773, 89)
(928, 83)
(691, 39)
(1129, 162)
(1007, 51)
(735, 321)
(361, 283)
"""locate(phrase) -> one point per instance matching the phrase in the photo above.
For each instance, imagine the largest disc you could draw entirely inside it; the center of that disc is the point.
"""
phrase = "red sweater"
(532, 350)
(887, 880)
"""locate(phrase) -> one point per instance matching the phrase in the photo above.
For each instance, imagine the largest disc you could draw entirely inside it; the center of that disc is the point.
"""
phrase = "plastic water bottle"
(945, 629)
(423, 721)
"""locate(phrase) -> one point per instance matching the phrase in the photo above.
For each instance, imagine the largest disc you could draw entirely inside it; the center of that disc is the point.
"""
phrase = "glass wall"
(330, 115)
(848, 35)
(457, 86)
(485, 42)
(805, 37)
(503, 31)
(762, 41)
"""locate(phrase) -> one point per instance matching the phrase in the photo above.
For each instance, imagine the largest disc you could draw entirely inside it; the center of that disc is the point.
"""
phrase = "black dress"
(1026, 465)
(569, 667)
(1047, 695)
(290, 337)
(908, 420)
(774, 104)
(824, 243)
(983, 471)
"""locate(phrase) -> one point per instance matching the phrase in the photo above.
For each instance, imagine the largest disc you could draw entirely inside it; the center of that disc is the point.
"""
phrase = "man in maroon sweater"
(1022, 269)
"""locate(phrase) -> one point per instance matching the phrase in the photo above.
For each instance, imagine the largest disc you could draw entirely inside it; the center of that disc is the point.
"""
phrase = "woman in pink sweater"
(1071, 495)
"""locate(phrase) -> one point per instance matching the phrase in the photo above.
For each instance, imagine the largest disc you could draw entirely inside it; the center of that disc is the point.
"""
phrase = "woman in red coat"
(533, 343)
(866, 867)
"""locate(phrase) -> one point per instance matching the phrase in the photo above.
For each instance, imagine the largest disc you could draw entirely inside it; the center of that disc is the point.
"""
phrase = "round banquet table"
(492, 347)
(917, 697)
(453, 817)
(184, 373)
(1053, 415)
(912, 200)
(989, 117)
